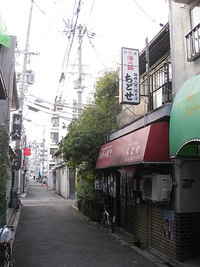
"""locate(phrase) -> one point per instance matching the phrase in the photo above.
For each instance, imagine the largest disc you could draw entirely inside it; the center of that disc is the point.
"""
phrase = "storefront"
(124, 163)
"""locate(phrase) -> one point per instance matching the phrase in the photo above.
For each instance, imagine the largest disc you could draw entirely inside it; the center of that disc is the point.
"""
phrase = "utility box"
(157, 187)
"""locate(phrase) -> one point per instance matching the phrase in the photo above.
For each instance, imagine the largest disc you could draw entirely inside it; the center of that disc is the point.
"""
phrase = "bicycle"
(108, 220)
(6, 246)
(17, 204)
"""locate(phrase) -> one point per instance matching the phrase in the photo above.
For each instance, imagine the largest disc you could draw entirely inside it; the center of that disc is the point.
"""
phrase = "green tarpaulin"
(4, 36)
(185, 119)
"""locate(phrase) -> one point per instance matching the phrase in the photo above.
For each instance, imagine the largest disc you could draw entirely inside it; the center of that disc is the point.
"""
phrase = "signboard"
(129, 90)
(18, 164)
(17, 127)
(27, 151)
(98, 184)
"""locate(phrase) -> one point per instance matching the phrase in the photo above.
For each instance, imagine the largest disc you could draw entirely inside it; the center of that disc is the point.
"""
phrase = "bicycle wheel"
(112, 224)
(2, 254)
(103, 219)
(15, 204)
(8, 256)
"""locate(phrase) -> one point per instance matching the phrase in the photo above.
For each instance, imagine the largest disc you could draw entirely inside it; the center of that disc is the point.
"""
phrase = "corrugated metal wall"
(142, 223)
(150, 226)
(157, 240)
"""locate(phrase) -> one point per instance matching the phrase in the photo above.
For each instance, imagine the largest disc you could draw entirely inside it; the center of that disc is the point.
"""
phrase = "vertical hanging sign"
(17, 127)
(129, 90)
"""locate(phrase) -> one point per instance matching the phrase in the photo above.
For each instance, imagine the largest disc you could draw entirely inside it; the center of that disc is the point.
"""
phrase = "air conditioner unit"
(166, 98)
(157, 187)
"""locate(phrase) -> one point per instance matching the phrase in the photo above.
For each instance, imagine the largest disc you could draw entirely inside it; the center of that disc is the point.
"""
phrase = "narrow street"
(51, 232)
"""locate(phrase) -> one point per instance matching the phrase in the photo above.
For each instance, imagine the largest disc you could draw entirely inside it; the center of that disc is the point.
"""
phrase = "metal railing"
(193, 43)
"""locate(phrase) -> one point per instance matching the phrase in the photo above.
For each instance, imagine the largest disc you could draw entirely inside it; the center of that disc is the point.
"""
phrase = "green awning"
(185, 120)
(4, 36)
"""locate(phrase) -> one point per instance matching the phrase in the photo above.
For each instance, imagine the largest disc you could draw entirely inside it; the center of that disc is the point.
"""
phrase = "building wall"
(183, 209)
(179, 20)
(64, 182)
(186, 171)
(187, 235)
(187, 197)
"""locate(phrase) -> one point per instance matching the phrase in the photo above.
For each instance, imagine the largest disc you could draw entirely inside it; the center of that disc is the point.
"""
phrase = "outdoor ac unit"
(166, 98)
(157, 187)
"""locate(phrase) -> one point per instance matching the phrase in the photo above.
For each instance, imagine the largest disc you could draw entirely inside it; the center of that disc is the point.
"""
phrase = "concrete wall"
(187, 177)
(64, 182)
(179, 20)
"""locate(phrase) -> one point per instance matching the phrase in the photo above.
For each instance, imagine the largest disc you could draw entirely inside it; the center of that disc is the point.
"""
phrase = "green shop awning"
(4, 36)
(185, 120)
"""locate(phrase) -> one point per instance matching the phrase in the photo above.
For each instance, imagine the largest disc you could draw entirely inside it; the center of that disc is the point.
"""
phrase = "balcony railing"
(160, 88)
(193, 43)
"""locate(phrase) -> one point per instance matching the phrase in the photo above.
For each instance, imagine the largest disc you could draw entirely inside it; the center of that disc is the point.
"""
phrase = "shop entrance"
(126, 202)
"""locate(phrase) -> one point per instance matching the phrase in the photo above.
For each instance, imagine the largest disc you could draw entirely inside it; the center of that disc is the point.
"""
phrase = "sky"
(110, 25)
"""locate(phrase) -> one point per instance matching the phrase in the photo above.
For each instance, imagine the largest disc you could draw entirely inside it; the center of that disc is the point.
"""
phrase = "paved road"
(51, 232)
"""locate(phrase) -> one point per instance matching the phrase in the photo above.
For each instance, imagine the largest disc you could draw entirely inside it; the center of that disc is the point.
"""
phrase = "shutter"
(157, 242)
(142, 224)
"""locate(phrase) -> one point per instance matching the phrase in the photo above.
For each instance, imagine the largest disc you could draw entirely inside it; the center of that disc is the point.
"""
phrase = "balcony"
(193, 44)
(182, 1)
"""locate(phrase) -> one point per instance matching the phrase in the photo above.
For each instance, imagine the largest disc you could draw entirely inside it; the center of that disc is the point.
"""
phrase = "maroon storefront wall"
(149, 144)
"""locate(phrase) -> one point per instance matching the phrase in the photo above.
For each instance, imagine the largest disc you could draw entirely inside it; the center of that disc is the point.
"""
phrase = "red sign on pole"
(27, 151)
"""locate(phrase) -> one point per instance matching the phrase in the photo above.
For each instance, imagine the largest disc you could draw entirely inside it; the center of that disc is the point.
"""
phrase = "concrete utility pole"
(25, 61)
(80, 87)
(21, 107)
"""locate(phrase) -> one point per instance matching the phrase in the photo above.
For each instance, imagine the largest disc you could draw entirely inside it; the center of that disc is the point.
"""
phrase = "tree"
(86, 134)
(80, 148)
(4, 166)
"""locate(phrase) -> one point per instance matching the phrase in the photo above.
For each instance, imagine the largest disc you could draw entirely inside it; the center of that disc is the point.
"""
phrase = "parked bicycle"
(16, 202)
(107, 219)
(6, 246)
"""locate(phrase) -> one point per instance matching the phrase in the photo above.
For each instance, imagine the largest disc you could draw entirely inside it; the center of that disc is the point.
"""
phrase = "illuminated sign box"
(129, 90)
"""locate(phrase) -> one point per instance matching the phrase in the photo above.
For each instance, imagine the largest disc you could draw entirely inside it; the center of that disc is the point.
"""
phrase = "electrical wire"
(68, 50)
(97, 55)
(160, 24)
(81, 40)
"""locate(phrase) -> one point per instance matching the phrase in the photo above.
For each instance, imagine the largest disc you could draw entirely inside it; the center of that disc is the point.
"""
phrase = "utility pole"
(80, 87)
(25, 61)
(21, 142)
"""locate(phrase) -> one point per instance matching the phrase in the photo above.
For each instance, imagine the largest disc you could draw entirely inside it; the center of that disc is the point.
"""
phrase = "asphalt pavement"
(52, 232)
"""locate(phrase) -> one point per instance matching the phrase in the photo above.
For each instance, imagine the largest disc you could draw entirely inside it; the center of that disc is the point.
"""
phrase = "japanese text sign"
(129, 92)
(17, 127)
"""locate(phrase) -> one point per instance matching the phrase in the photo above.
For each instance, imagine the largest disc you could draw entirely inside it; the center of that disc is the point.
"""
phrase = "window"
(51, 166)
(54, 137)
(195, 15)
(53, 151)
(193, 37)
(55, 121)
(160, 84)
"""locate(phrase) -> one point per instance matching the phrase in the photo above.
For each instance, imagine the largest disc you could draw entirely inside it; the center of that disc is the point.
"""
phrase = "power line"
(160, 24)
(71, 30)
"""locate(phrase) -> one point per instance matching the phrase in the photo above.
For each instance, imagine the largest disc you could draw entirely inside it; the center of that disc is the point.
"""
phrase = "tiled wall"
(187, 232)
